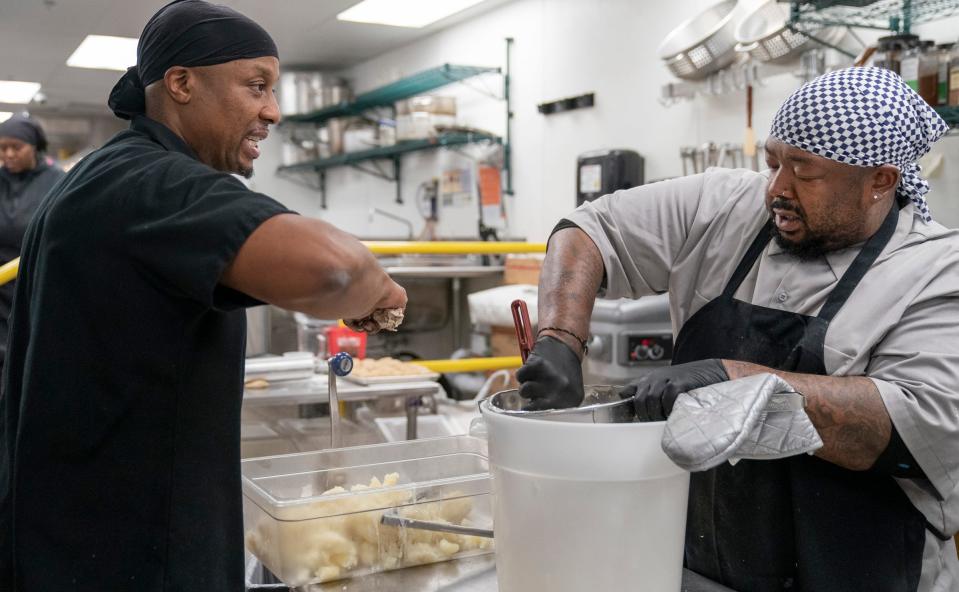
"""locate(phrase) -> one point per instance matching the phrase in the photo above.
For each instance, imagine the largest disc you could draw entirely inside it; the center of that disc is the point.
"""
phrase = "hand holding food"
(381, 319)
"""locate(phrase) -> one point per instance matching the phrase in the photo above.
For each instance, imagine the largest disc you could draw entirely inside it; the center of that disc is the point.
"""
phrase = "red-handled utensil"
(524, 331)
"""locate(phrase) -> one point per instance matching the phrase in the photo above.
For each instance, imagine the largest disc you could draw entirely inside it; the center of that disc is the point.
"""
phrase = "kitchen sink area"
(439, 266)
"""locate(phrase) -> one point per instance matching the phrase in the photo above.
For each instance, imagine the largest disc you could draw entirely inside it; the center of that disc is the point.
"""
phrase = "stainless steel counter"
(438, 266)
(473, 574)
(314, 390)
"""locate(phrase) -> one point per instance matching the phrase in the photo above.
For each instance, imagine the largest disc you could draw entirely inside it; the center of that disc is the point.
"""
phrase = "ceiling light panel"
(404, 13)
(15, 91)
(103, 52)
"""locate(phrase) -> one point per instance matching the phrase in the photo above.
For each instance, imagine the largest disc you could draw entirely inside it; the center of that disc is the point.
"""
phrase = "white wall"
(562, 48)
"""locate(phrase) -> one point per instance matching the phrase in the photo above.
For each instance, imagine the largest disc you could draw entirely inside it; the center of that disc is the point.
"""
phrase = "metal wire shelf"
(385, 96)
(375, 156)
(898, 16)
(443, 140)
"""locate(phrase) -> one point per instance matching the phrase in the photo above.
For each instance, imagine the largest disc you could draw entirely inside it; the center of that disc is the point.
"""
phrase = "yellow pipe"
(8, 271)
(472, 364)
(452, 247)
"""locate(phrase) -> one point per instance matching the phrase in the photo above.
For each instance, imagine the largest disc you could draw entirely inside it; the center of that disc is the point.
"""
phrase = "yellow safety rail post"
(8, 271)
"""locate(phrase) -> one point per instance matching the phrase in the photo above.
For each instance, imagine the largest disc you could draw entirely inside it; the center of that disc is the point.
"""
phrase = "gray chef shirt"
(900, 327)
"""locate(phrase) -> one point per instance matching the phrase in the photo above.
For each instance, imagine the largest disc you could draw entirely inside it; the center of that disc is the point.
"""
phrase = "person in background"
(120, 414)
(828, 270)
(25, 178)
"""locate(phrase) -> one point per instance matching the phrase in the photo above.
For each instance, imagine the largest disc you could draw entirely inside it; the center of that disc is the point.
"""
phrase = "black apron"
(801, 523)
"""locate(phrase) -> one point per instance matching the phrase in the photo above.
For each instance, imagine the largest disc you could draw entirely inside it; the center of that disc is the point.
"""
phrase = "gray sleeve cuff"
(900, 413)
(615, 284)
(564, 224)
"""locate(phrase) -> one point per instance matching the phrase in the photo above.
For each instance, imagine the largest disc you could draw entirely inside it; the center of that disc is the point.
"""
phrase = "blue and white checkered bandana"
(864, 117)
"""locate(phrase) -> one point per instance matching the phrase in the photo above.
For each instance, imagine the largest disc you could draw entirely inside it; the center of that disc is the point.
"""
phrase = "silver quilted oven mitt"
(757, 417)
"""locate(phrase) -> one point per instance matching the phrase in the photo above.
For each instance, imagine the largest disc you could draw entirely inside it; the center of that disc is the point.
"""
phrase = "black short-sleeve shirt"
(120, 413)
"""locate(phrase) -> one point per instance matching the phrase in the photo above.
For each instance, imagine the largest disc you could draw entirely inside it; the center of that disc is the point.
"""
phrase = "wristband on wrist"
(582, 342)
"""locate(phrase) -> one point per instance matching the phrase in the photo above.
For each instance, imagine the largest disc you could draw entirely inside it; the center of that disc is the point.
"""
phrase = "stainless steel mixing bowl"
(602, 404)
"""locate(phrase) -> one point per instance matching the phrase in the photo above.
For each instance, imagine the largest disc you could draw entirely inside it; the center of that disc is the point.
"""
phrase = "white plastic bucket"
(583, 506)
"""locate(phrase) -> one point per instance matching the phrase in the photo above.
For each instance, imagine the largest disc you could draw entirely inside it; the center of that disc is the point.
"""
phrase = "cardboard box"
(523, 269)
(502, 341)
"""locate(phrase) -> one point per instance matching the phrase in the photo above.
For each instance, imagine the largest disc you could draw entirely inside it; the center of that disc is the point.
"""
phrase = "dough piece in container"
(327, 573)
(448, 548)
(420, 553)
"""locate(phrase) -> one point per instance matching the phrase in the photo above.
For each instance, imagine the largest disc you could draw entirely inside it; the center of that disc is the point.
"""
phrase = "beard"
(809, 248)
(812, 246)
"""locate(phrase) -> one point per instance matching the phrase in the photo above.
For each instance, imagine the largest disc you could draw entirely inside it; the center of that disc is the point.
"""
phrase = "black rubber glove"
(656, 392)
(552, 376)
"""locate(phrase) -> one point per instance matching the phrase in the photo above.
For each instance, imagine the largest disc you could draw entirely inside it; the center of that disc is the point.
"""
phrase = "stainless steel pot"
(602, 404)
(305, 91)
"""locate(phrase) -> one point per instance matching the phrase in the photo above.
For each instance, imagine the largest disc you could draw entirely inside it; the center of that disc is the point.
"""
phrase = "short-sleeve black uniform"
(119, 420)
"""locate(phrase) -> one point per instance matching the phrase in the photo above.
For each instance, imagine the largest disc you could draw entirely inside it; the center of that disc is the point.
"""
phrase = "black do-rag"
(26, 129)
(187, 33)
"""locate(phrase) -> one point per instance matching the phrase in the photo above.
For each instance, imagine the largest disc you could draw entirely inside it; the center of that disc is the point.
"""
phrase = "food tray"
(373, 380)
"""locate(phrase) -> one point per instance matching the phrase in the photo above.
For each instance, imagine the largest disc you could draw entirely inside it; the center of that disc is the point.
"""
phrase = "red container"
(344, 339)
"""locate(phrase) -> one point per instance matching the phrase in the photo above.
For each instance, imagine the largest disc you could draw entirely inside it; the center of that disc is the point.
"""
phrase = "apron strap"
(746, 263)
(864, 260)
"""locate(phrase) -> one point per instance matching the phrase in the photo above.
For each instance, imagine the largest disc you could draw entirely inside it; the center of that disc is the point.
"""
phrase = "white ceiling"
(37, 37)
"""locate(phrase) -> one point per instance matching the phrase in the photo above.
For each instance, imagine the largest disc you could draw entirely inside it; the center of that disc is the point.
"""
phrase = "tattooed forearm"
(846, 410)
(571, 276)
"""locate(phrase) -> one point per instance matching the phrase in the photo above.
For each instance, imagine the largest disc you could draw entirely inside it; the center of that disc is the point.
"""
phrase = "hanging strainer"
(763, 33)
(703, 44)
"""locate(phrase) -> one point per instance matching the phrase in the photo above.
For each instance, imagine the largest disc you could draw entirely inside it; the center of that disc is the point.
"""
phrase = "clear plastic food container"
(314, 433)
(319, 516)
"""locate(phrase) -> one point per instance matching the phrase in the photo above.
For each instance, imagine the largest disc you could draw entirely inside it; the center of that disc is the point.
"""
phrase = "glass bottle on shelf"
(954, 77)
(929, 73)
(883, 57)
(909, 65)
(943, 53)
(890, 51)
